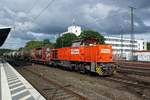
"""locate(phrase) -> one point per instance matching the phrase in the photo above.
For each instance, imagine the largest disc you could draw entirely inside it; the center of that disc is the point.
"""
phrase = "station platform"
(13, 86)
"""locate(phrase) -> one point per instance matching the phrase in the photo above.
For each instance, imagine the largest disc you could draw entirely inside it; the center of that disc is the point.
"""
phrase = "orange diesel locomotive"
(93, 58)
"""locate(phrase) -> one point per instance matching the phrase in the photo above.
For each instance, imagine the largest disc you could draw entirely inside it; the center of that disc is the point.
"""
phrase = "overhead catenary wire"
(32, 7)
(36, 17)
(28, 11)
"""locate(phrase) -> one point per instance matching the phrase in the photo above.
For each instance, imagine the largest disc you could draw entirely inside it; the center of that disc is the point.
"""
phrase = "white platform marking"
(17, 87)
(14, 84)
(25, 98)
(17, 93)
(10, 78)
(36, 95)
(12, 81)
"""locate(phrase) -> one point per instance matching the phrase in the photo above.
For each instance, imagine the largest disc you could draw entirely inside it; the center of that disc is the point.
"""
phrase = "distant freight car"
(41, 55)
(25, 55)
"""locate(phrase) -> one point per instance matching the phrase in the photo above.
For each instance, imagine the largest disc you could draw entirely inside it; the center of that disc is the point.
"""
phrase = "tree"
(90, 34)
(33, 44)
(2, 51)
(46, 41)
(38, 44)
(148, 46)
(65, 40)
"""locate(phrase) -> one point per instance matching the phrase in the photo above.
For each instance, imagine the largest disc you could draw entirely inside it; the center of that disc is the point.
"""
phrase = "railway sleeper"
(65, 97)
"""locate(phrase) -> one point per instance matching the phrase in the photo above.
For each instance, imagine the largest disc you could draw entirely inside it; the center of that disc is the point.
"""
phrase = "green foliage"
(37, 44)
(65, 40)
(20, 49)
(46, 41)
(33, 44)
(148, 46)
(5, 51)
(90, 34)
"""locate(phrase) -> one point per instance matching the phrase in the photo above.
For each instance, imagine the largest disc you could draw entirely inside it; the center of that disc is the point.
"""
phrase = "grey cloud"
(113, 15)
(140, 4)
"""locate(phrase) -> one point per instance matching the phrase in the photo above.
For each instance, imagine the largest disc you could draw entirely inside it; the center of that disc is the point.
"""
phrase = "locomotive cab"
(85, 42)
(96, 57)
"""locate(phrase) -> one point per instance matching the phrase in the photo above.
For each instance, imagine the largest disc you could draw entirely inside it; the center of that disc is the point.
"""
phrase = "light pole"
(132, 32)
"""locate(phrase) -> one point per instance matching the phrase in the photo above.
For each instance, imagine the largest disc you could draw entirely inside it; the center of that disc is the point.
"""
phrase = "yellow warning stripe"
(98, 70)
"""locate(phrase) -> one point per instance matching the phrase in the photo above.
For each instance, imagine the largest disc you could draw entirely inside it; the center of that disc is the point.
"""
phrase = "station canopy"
(3, 34)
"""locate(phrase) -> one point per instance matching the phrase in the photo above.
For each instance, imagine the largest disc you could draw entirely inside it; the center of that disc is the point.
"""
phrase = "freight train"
(83, 56)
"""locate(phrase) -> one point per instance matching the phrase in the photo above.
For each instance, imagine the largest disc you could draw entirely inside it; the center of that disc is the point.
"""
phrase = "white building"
(73, 29)
(125, 47)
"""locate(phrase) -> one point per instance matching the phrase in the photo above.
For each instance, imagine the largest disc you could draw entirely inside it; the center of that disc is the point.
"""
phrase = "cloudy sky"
(45, 19)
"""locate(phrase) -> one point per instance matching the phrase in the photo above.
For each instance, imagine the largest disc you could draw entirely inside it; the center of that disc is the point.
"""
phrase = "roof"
(119, 38)
(3, 34)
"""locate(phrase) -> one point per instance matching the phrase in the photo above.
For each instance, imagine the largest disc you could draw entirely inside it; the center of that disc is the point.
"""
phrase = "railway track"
(135, 64)
(134, 71)
(56, 91)
(138, 87)
(51, 89)
(134, 68)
